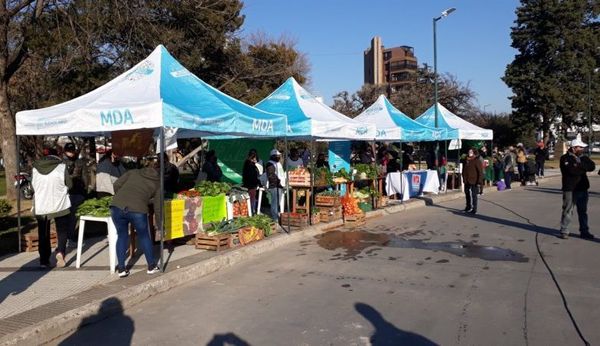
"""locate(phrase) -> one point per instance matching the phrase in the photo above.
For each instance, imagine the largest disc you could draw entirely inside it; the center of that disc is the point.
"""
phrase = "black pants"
(508, 178)
(62, 225)
(76, 201)
(540, 168)
(471, 192)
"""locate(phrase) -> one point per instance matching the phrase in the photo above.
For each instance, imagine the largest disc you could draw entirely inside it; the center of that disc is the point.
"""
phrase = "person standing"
(473, 178)
(211, 167)
(134, 191)
(250, 178)
(51, 183)
(276, 179)
(575, 184)
(540, 158)
(78, 171)
(171, 176)
(294, 160)
(509, 166)
(321, 162)
(521, 161)
(109, 169)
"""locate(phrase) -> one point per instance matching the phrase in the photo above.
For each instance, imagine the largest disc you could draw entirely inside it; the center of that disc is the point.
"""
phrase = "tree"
(412, 99)
(557, 43)
(59, 50)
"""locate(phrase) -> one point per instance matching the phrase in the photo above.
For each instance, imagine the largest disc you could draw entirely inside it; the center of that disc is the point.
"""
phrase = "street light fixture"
(435, 74)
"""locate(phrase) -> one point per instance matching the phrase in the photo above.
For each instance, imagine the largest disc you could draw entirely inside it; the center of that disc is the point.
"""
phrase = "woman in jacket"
(473, 179)
(250, 178)
(134, 191)
(108, 171)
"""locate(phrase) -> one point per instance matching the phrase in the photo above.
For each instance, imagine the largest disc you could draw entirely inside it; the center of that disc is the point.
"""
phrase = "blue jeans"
(122, 218)
(275, 198)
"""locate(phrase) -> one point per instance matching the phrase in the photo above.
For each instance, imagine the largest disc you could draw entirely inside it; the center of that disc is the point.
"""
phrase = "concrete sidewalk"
(38, 306)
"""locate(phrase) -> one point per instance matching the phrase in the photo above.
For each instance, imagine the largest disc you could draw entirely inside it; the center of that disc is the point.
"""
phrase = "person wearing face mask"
(473, 180)
(575, 184)
(108, 171)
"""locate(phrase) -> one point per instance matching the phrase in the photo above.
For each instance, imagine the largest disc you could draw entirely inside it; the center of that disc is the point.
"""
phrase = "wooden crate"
(296, 220)
(315, 219)
(299, 179)
(327, 201)
(214, 243)
(353, 221)
(330, 214)
(234, 241)
(274, 228)
(30, 241)
(249, 235)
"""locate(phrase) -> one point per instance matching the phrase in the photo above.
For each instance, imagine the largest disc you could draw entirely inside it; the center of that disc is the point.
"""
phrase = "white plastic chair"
(112, 239)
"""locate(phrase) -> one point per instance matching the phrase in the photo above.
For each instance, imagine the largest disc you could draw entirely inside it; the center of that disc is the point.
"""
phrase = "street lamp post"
(590, 116)
(435, 75)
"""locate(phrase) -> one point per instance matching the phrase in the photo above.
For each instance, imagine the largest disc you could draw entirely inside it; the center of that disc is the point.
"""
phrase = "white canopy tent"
(451, 122)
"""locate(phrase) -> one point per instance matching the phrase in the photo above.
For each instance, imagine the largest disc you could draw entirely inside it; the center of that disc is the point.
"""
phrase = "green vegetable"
(207, 188)
(95, 207)
(342, 173)
(332, 193)
(324, 173)
(365, 206)
(368, 169)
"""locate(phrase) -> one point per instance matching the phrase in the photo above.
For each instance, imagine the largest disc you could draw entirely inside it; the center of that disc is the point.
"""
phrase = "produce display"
(207, 188)
(323, 177)
(332, 193)
(188, 193)
(350, 205)
(240, 208)
(342, 173)
(98, 207)
(365, 207)
(365, 171)
(299, 177)
(262, 222)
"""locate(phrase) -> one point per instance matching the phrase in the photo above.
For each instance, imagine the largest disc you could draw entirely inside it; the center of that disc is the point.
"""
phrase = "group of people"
(61, 185)
(517, 160)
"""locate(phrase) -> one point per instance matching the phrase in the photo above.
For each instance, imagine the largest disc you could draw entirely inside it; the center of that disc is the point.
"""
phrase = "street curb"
(67, 322)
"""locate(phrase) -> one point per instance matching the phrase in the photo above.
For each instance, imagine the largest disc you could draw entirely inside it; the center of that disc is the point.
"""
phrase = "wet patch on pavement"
(355, 242)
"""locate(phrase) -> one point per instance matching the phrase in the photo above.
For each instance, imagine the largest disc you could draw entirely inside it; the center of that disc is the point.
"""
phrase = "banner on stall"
(339, 157)
(132, 142)
(214, 208)
(416, 182)
(174, 211)
(233, 152)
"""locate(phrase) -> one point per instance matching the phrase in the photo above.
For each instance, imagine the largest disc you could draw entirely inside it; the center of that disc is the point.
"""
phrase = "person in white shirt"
(276, 182)
(294, 160)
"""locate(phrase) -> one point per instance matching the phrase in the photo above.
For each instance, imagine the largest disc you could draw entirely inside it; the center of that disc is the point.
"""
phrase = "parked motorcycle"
(23, 182)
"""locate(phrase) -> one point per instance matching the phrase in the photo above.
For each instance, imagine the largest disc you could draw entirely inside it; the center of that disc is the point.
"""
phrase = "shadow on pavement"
(556, 191)
(20, 280)
(120, 331)
(386, 333)
(227, 339)
(510, 223)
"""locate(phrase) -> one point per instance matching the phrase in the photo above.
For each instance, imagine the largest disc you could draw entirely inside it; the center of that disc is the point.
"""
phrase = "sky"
(473, 42)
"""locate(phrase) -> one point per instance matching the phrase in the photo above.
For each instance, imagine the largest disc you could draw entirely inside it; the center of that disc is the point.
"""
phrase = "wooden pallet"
(30, 241)
(299, 180)
(327, 201)
(214, 243)
(296, 220)
(353, 221)
(330, 214)
(234, 241)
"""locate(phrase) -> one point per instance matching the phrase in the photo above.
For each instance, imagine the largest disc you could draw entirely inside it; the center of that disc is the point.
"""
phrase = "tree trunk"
(8, 142)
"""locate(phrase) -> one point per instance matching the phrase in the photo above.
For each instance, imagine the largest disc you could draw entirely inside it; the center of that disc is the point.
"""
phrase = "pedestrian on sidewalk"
(134, 191)
(540, 158)
(509, 166)
(575, 184)
(473, 178)
(51, 183)
(521, 161)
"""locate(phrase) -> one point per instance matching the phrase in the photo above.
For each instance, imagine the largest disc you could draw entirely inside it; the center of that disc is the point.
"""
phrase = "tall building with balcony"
(394, 67)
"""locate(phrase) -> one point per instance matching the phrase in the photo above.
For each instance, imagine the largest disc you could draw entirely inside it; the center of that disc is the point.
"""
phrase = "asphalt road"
(430, 276)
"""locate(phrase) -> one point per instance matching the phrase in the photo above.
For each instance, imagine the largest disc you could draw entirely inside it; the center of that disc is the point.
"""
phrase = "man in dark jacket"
(575, 184)
(473, 180)
(134, 191)
(78, 172)
(540, 158)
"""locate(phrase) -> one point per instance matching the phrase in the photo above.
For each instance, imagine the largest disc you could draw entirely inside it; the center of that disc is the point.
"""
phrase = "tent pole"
(374, 163)
(287, 189)
(312, 181)
(446, 174)
(161, 224)
(18, 195)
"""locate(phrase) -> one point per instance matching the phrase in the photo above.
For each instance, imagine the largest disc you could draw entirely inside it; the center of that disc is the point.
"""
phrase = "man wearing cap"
(276, 181)
(575, 184)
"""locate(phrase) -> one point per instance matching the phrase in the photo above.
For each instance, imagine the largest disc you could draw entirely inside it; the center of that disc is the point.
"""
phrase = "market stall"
(310, 119)
(157, 93)
(459, 128)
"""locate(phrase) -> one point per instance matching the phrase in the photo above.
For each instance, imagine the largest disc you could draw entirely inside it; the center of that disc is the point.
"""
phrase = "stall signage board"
(174, 210)
(416, 183)
(214, 208)
(339, 157)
